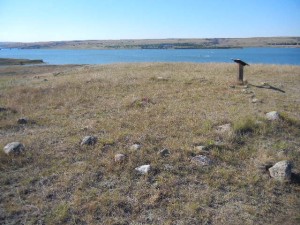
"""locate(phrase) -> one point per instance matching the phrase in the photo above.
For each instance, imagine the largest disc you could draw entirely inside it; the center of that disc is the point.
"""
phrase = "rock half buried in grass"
(89, 140)
(14, 148)
(135, 147)
(22, 120)
(201, 160)
(120, 157)
(272, 115)
(281, 171)
(164, 152)
(144, 169)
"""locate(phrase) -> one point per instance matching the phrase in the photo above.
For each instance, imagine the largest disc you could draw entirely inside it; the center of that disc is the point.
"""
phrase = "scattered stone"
(162, 78)
(119, 157)
(22, 121)
(14, 148)
(143, 169)
(272, 115)
(201, 160)
(135, 147)
(45, 79)
(201, 149)
(164, 152)
(224, 128)
(254, 100)
(89, 140)
(281, 171)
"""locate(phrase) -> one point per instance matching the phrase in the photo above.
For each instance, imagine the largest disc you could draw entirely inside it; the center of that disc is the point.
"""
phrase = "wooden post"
(240, 76)
(241, 73)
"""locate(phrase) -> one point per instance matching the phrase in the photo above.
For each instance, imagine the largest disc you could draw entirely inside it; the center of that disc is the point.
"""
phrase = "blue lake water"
(290, 56)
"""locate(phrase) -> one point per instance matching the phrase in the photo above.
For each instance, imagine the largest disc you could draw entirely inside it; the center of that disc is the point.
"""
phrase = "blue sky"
(54, 20)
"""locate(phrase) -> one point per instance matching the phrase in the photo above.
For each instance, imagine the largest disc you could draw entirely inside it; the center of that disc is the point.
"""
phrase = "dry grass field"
(177, 106)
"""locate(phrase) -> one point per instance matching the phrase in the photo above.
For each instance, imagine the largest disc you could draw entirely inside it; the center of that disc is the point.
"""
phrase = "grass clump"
(245, 126)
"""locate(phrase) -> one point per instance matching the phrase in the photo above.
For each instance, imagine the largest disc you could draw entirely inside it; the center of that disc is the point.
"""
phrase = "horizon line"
(174, 38)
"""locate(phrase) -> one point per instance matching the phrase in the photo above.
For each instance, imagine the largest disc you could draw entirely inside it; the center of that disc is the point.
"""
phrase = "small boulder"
(144, 169)
(135, 147)
(164, 152)
(281, 171)
(22, 121)
(14, 148)
(89, 140)
(119, 157)
(201, 160)
(274, 115)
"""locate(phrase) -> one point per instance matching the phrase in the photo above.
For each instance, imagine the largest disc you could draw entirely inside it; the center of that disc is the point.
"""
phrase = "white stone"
(281, 171)
(201, 160)
(89, 140)
(164, 152)
(143, 169)
(272, 115)
(14, 148)
(200, 148)
(119, 157)
(135, 147)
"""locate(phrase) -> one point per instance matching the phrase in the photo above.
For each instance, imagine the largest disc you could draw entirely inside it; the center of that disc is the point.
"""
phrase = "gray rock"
(281, 171)
(201, 160)
(144, 169)
(272, 115)
(14, 148)
(164, 152)
(22, 121)
(135, 147)
(89, 140)
(119, 157)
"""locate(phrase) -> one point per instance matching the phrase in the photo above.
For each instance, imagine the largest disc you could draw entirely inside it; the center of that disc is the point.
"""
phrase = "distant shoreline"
(13, 62)
(181, 43)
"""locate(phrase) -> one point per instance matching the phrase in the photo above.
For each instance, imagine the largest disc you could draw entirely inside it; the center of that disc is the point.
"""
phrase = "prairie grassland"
(159, 105)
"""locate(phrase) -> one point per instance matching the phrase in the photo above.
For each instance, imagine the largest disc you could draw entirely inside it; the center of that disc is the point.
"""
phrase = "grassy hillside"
(197, 43)
(158, 105)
